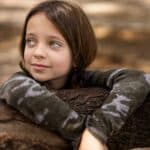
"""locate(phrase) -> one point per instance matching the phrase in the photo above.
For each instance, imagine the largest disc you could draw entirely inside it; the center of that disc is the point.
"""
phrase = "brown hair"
(73, 24)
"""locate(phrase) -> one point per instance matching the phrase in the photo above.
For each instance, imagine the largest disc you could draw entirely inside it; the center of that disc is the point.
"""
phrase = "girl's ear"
(74, 65)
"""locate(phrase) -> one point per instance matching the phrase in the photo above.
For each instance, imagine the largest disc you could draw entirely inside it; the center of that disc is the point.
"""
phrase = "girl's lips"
(40, 66)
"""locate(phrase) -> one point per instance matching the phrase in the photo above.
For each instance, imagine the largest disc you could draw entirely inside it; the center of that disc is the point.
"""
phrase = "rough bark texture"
(18, 133)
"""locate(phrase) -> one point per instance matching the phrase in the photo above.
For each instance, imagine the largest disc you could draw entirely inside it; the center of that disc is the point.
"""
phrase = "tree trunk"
(18, 133)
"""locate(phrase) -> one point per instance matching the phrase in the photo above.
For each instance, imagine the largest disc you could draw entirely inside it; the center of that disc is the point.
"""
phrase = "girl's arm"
(129, 89)
(41, 106)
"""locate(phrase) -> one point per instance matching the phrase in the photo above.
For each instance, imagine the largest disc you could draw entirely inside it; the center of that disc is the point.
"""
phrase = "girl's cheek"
(27, 56)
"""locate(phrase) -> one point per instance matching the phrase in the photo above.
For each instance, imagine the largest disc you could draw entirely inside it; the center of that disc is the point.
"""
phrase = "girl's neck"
(73, 80)
(57, 83)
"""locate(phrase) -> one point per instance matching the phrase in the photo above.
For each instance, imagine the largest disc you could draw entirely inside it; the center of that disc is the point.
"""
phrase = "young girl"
(57, 46)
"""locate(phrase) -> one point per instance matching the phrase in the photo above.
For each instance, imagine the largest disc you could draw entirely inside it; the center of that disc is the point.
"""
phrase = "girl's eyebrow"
(56, 37)
(30, 34)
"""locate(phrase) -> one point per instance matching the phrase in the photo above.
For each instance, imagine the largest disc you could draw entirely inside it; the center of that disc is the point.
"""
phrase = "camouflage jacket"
(128, 88)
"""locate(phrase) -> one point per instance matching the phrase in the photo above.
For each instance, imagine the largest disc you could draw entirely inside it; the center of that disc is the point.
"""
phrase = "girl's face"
(47, 55)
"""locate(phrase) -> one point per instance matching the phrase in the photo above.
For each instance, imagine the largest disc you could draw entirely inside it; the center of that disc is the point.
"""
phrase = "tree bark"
(18, 133)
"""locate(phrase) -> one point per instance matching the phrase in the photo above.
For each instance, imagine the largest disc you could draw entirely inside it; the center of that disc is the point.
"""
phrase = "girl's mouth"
(40, 66)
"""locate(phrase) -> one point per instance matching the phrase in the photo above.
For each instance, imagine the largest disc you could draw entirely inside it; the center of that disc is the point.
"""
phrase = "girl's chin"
(40, 78)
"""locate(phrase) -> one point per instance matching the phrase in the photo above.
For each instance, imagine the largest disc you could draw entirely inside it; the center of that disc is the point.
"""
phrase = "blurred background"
(122, 28)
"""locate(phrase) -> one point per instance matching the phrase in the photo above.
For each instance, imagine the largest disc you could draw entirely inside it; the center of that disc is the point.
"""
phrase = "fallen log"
(18, 133)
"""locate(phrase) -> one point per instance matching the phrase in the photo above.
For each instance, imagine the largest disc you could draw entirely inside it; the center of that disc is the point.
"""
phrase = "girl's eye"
(30, 42)
(55, 44)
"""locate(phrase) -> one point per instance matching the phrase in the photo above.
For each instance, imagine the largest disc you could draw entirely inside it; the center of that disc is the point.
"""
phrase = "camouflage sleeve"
(41, 106)
(129, 88)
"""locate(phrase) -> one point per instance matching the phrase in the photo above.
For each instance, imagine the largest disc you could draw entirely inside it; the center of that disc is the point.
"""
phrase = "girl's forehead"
(40, 24)
(39, 19)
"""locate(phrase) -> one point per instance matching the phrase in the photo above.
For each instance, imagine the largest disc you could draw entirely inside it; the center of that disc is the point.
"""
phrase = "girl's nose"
(39, 52)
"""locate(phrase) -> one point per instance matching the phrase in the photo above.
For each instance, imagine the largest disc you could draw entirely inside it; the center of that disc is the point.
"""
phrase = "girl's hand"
(89, 142)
